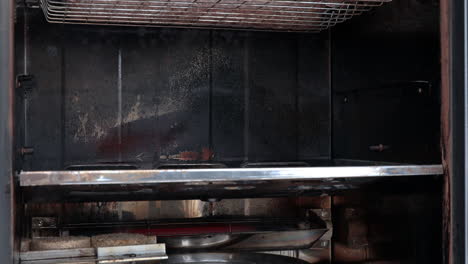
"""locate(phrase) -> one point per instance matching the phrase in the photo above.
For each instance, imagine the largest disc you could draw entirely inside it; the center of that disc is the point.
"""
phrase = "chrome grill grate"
(281, 15)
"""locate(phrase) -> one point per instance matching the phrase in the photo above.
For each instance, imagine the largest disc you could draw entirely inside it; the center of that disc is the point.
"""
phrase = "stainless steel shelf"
(224, 175)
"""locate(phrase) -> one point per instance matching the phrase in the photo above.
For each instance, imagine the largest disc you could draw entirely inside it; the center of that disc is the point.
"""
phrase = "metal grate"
(281, 15)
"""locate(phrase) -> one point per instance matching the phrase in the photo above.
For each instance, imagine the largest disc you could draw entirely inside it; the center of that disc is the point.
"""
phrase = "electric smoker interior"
(322, 146)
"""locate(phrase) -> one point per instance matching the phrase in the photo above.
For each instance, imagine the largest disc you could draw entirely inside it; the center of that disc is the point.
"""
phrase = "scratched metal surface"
(135, 95)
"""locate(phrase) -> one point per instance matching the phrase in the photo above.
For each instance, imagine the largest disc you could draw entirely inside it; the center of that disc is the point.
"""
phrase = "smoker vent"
(278, 15)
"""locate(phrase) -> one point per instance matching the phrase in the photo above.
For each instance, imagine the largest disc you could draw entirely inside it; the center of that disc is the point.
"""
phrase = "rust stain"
(188, 155)
(205, 154)
(111, 144)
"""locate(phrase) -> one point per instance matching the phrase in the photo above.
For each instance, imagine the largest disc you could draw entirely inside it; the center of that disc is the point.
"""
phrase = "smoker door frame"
(455, 121)
(454, 125)
(460, 131)
(6, 130)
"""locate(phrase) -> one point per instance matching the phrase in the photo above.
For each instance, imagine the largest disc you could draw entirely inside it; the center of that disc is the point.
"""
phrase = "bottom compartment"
(395, 224)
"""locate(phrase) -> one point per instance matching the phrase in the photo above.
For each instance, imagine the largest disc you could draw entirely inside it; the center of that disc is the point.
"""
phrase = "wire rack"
(278, 15)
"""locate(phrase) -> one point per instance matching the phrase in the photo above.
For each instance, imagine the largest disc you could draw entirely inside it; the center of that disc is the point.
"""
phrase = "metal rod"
(246, 114)
(25, 72)
(119, 100)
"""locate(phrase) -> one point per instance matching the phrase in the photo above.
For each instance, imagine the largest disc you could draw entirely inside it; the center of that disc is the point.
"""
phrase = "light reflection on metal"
(61, 178)
(226, 258)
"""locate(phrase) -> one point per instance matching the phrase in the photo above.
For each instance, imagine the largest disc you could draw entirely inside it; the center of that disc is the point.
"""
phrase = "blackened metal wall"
(107, 94)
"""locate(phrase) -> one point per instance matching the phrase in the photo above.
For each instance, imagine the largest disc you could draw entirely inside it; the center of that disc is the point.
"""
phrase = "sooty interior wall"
(110, 94)
(386, 75)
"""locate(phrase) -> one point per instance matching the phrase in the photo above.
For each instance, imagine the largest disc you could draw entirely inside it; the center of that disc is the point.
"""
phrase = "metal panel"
(148, 96)
(6, 130)
(61, 178)
(86, 113)
(269, 108)
(272, 102)
(313, 97)
(230, 89)
(39, 47)
(386, 84)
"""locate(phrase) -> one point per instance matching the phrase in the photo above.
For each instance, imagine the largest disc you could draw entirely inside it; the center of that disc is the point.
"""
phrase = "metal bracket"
(326, 215)
(44, 226)
(23, 151)
(43, 222)
(325, 242)
(25, 84)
